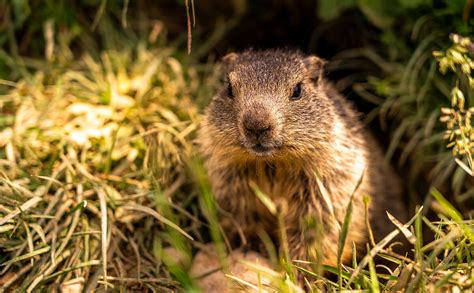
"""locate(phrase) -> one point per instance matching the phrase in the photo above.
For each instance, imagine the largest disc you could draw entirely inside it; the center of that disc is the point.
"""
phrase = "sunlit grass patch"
(78, 204)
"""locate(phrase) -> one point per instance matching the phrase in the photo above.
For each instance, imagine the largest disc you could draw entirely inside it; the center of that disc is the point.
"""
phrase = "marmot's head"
(272, 103)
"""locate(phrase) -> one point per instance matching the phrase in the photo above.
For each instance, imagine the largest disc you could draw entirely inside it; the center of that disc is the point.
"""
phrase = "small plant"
(459, 133)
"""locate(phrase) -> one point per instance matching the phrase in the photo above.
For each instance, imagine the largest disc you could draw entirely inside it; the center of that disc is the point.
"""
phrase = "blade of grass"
(345, 230)
(29, 239)
(366, 200)
(267, 202)
(24, 207)
(374, 281)
(412, 286)
(27, 256)
(448, 208)
(354, 263)
(78, 266)
(378, 247)
(239, 280)
(157, 216)
(407, 233)
(103, 228)
(48, 271)
(324, 194)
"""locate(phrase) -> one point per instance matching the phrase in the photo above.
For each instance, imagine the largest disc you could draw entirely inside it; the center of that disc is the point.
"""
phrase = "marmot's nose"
(255, 127)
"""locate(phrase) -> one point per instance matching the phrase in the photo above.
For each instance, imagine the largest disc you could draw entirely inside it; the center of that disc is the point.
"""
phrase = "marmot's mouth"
(263, 150)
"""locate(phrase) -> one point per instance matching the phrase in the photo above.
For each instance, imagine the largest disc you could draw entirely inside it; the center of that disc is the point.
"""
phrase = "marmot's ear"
(228, 61)
(315, 66)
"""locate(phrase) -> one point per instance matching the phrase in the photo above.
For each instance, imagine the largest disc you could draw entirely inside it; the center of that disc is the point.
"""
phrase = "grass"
(99, 178)
(78, 200)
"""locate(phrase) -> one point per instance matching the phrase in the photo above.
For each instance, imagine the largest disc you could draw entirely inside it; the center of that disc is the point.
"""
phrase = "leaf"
(448, 208)
(380, 13)
(330, 9)
(21, 10)
(415, 3)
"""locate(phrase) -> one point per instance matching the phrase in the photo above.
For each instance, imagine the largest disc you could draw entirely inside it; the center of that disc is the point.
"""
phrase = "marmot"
(278, 124)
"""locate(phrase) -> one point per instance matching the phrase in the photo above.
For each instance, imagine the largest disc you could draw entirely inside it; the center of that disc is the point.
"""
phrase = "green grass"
(100, 177)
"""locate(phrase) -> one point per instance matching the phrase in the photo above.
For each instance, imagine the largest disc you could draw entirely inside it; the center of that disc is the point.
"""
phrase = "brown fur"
(320, 133)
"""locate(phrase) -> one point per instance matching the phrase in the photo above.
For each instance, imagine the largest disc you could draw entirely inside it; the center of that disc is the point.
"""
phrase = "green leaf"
(345, 230)
(21, 10)
(374, 281)
(330, 9)
(415, 3)
(448, 208)
(380, 13)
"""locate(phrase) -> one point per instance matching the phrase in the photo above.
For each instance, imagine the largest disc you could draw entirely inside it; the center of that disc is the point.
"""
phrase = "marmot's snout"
(259, 130)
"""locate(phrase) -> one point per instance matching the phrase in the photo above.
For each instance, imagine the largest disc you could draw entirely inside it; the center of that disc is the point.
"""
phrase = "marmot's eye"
(296, 95)
(230, 93)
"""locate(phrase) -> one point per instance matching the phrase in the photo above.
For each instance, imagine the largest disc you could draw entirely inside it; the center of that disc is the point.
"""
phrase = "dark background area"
(268, 24)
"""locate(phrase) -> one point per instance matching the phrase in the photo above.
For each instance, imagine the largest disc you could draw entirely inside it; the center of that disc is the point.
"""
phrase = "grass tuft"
(82, 142)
